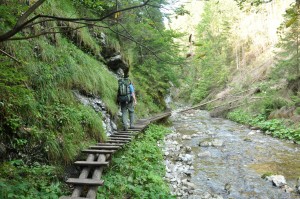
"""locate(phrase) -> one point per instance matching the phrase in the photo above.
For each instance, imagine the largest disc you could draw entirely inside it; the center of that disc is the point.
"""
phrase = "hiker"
(126, 98)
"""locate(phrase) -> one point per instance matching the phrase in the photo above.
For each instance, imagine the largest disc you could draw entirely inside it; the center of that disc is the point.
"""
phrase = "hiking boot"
(132, 127)
(125, 128)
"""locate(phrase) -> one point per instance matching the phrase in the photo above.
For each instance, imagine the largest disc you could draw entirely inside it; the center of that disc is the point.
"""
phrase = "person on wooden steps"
(127, 100)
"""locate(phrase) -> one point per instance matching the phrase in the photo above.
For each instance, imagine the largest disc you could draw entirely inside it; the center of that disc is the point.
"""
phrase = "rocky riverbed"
(213, 158)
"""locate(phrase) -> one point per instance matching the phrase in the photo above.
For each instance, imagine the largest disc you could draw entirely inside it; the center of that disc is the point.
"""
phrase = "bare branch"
(19, 27)
(97, 19)
(46, 33)
(29, 12)
(38, 22)
(10, 56)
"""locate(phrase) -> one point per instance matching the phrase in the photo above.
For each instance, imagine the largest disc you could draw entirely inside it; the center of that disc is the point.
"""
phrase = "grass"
(138, 170)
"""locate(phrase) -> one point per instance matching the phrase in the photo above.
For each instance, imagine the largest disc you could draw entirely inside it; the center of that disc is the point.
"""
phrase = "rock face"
(99, 106)
(117, 62)
(114, 59)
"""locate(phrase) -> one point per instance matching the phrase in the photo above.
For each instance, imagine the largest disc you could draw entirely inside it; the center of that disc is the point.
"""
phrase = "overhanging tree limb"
(10, 56)
(22, 23)
(29, 12)
(47, 33)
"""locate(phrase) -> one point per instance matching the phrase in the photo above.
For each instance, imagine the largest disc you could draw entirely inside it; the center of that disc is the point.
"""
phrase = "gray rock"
(204, 154)
(187, 149)
(205, 144)
(195, 135)
(217, 142)
(298, 185)
(194, 197)
(114, 126)
(247, 139)
(186, 137)
(277, 180)
(186, 157)
(287, 189)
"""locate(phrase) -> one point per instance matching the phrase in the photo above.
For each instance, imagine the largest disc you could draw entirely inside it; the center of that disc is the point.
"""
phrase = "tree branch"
(29, 12)
(10, 56)
(22, 24)
(45, 33)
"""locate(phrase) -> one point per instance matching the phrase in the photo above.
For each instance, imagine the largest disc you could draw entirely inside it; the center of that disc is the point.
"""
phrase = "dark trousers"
(127, 106)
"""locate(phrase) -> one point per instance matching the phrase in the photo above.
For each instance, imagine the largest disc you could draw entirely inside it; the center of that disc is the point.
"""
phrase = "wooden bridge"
(99, 155)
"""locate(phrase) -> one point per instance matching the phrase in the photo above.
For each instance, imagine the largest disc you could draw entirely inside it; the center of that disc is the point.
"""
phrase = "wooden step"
(137, 128)
(134, 130)
(129, 131)
(105, 147)
(119, 138)
(70, 197)
(118, 141)
(94, 164)
(79, 181)
(109, 144)
(123, 133)
(98, 151)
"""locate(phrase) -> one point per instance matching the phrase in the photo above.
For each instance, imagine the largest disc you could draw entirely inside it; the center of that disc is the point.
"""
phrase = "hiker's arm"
(134, 98)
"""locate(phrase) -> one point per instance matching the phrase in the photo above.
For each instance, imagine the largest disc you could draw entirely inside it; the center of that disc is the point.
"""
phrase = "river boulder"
(277, 180)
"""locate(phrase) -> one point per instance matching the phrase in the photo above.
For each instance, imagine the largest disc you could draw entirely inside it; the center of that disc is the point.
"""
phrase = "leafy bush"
(275, 127)
(272, 103)
(137, 171)
(18, 180)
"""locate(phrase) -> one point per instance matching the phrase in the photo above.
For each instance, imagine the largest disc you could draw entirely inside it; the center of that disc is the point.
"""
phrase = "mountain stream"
(214, 158)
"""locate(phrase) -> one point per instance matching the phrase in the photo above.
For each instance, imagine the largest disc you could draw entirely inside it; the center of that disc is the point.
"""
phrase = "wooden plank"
(119, 138)
(138, 127)
(105, 147)
(125, 133)
(89, 163)
(109, 144)
(122, 136)
(134, 130)
(118, 141)
(91, 182)
(83, 175)
(92, 192)
(93, 151)
(129, 131)
(70, 197)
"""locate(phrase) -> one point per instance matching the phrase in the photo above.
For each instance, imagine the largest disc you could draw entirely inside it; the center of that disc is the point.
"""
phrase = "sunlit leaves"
(181, 11)
(96, 5)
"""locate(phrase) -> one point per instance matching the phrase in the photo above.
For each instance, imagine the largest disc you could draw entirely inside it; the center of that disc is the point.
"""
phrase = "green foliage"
(154, 65)
(181, 11)
(9, 11)
(275, 127)
(51, 108)
(137, 172)
(18, 180)
(95, 5)
(265, 175)
(250, 3)
(289, 63)
(272, 103)
(211, 64)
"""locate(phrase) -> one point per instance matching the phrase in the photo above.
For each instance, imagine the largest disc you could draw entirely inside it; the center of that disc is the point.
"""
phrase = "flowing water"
(234, 169)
